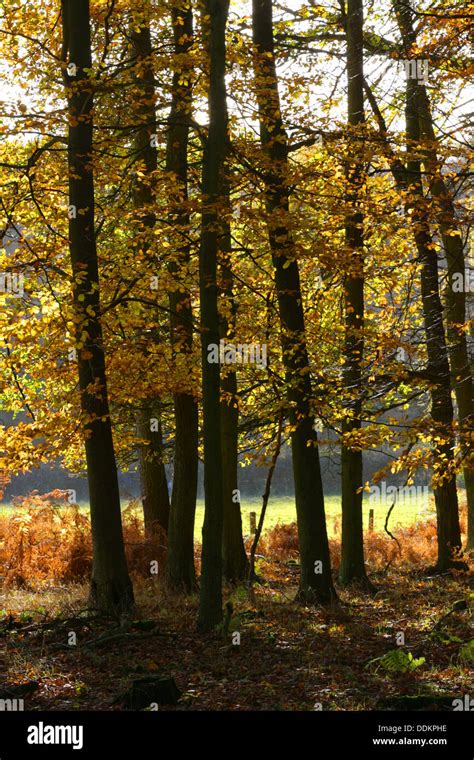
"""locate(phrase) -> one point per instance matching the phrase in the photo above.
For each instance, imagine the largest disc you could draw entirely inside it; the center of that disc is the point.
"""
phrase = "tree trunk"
(352, 547)
(181, 575)
(154, 487)
(316, 580)
(445, 493)
(153, 481)
(181, 572)
(235, 567)
(235, 561)
(210, 603)
(461, 374)
(111, 590)
(409, 181)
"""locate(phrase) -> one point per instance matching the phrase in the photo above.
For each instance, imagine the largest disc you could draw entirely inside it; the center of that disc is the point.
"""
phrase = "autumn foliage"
(43, 541)
(237, 235)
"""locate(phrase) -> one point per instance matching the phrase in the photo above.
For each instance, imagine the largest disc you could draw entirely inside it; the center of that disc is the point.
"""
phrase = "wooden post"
(371, 520)
(253, 523)
(4, 481)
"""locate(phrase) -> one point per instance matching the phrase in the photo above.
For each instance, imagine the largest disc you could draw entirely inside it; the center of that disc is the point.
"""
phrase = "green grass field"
(282, 510)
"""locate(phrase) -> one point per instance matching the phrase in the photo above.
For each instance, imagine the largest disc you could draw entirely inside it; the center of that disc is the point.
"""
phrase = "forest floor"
(290, 657)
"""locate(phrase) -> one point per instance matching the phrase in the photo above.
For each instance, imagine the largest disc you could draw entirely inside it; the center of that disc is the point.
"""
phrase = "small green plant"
(223, 629)
(442, 637)
(240, 594)
(466, 653)
(396, 661)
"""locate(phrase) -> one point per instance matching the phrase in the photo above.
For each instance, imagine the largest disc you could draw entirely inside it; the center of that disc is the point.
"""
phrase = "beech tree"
(445, 491)
(316, 580)
(154, 486)
(352, 541)
(180, 568)
(453, 248)
(111, 589)
(235, 562)
(210, 606)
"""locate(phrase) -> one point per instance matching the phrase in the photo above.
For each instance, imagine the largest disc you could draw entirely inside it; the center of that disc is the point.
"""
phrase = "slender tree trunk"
(409, 181)
(456, 317)
(235, 567)
(153, 481)
(210, 607)
(461, 374)
(316, 580)
(181, 575)
(445, 493)
(235, 559)
(111, 589)
(352, 548)
(154, 487)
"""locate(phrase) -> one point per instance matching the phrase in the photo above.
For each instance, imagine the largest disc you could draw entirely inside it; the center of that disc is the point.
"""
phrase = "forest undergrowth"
(408, 645)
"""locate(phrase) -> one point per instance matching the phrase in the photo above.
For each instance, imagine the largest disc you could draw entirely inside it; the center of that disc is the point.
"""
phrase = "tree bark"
(153, 480)
(445, 492)
(316, 579)
(235, 561)
(111, 590)
(461, 374)
(352, 547)
(181, 574)
(154, 487)
(210, 603)
(409, 181)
